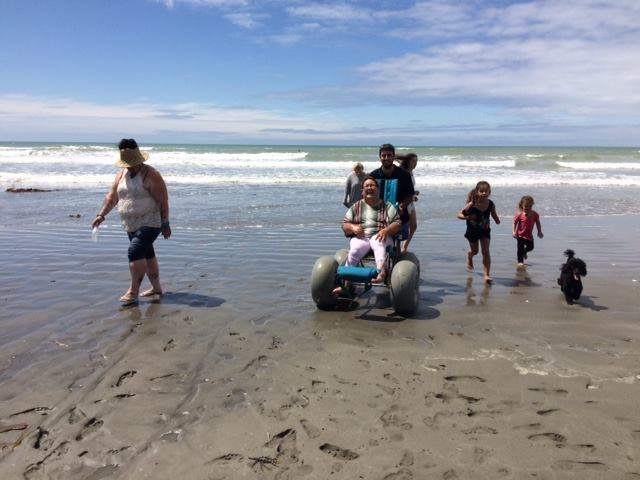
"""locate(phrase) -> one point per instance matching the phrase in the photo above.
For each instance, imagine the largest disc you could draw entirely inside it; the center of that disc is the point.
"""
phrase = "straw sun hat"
(131, 157)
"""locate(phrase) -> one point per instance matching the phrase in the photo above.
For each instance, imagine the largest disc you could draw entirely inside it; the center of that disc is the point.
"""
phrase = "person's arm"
(539, 227)
(110, 201)
(347, 192)
(462, 215)
(407, 190)
(158, 190)
(516, 222)
(393, 226)
(389, 231)
(494, 214)
(350, 228)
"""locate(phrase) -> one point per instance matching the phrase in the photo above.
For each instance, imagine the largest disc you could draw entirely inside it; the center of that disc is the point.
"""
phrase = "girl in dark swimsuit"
(476, 212)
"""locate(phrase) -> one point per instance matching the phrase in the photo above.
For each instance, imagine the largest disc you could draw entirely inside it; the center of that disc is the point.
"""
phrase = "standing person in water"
(389, 172)
(353, 188)
(409, 162)
(476, 212)
(143, 204)
(523, 224)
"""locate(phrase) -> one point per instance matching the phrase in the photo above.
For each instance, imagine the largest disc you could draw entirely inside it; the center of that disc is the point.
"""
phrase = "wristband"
(101, 216)
(165, 224)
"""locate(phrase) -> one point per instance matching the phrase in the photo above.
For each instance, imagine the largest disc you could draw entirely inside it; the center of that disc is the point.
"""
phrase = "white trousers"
(359, 247)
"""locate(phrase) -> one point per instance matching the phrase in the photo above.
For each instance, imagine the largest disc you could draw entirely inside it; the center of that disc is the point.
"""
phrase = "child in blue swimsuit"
(477, 212)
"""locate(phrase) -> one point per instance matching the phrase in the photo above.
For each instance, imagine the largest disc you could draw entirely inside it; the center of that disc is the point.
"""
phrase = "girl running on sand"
(476, 212)
(523, 224)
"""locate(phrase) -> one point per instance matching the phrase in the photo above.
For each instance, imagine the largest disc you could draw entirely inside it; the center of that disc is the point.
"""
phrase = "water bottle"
(94, 234)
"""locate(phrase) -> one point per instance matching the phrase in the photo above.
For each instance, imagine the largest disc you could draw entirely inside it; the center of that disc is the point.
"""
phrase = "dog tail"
(569, 253)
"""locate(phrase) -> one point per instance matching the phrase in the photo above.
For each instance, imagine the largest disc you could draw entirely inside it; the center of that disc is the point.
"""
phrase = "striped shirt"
(372, 219)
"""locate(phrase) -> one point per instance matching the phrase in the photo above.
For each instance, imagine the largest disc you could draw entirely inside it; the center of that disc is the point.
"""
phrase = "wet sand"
(235, 374)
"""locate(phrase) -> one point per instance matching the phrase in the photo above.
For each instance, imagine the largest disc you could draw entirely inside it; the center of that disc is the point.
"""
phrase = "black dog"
(571, 274)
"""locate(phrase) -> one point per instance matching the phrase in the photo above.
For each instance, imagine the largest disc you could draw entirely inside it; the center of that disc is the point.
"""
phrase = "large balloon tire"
(404, 287)
(323, 281)
(341, 256)
(411, 257)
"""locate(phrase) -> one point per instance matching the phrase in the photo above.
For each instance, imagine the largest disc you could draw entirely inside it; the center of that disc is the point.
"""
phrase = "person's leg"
(153, 274)
(521, 250)
(137, 269)
(358, 248)
(413, 226)
(141, 245)
(380, 255)
(486, 259)
(528, 247)
(472, 252)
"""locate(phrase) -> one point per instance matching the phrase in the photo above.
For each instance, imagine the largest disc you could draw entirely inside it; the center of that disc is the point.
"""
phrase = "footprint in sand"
(385, 389)
(550, 391)
(124, 377)
(91, 426)
(480, 430)
(528, 426)
(227, 458)
(391, 378)
(575, 465)
(76, 415)
(36, 470)
(43, 441)
(450, 475)
(548, 411)
(480, 455)
(310, 429)
(40, 410)
(402, 474)
(408, 459)
(455, 378)
(558, 439)
(337, 452)
(451, 393)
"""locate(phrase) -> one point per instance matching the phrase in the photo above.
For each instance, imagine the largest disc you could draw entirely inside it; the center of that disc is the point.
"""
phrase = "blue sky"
(443, 72)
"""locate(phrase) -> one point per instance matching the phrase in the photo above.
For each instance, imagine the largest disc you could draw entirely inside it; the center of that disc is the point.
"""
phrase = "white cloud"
(286, 38)
(204, 3)
(244, 20)
(22, 115)
(335, 12)
(575, 59)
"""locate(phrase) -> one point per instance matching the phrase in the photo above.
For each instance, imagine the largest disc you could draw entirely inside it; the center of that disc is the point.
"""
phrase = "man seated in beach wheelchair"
(374, 258)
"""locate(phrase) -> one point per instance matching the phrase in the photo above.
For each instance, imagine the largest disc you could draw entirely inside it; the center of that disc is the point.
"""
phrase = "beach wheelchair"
(402, 280)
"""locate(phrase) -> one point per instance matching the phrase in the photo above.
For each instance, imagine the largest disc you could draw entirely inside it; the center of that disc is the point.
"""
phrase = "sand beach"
(235, 374)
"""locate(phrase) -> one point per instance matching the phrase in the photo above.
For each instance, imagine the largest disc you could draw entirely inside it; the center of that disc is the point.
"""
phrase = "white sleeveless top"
(136, 205)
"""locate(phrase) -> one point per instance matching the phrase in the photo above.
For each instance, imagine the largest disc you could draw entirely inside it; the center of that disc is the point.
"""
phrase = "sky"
(435, 72)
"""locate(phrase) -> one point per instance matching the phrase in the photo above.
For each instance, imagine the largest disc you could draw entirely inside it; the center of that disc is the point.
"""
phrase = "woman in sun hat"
(143, 203)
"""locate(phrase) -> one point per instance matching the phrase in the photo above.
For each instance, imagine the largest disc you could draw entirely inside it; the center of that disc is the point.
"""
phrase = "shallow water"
(58, 286)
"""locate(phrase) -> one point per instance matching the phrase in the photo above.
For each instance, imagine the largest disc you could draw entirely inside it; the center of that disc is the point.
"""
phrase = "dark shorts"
(475, 235)
(141, 245)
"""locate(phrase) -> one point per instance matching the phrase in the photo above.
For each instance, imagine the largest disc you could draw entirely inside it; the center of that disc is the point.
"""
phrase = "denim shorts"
(141, 245)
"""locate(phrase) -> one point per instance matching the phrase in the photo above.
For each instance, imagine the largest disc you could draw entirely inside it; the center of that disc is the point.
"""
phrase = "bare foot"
(128, 298)
(380, 278)
(150, 293)
(336, 291)
(488, 280)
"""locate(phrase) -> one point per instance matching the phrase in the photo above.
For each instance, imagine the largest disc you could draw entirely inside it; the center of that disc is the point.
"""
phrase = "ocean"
(230, 186)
